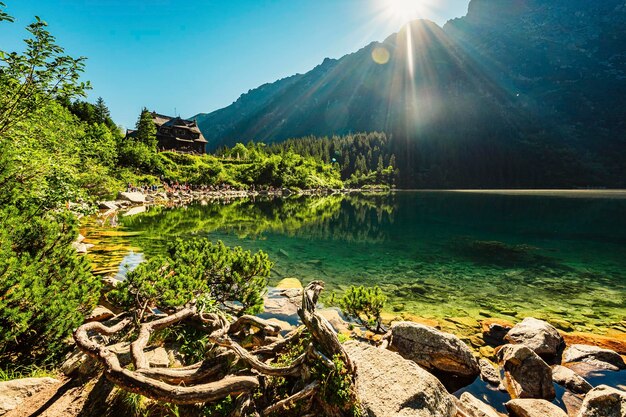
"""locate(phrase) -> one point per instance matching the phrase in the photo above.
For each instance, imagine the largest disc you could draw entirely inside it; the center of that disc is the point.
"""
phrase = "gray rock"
(433, 349)
(389, 385)
(78, 363)
(604, 401)
(533, 408)
(108, 205)
(15, 392)
(570, 380)
(488, 373)
(541, 337)
(526, 375)
(473, 407)
(100, 313)
(158, 357)
(134, 197)
(594, 355)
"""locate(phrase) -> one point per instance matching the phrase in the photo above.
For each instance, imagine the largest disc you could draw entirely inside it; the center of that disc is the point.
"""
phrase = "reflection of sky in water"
(129, 263)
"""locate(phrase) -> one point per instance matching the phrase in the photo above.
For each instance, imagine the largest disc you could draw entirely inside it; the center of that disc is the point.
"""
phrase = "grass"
(31, 371)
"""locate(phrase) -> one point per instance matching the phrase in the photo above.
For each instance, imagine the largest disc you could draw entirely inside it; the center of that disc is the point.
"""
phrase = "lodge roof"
(169, 121)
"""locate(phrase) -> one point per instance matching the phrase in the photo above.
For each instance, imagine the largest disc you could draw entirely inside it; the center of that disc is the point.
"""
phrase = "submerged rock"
(533, 408)
(526, 375)
(570, 380)
(390, 385)
(604, 401)
(595, 356)
(433, 349)
(539, 336)
(15, 392)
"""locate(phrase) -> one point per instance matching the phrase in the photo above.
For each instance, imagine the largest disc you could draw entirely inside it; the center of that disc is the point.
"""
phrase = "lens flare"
(404, 10)
(380, 55)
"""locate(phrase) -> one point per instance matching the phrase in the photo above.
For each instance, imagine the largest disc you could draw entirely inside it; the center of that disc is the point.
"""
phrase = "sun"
(403, 10)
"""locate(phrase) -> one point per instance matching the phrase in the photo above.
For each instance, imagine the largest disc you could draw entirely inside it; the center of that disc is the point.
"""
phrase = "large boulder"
(541, 337)
(533, 408)
(471, 406)
(433, 349)
(603, 401)
(133, 197)
(389, 385)
(526, 375)
(488, 372)
(570, 380)
(602, 358)
(15, 392)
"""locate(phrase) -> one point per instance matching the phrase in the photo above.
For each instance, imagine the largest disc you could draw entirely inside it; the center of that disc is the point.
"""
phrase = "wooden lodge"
(176, 134)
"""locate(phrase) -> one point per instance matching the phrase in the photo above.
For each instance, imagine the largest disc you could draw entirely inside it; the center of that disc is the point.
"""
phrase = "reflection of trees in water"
(338, 217)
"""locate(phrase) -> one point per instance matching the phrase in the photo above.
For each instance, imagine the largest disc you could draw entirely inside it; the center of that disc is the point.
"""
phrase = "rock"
(333, 317)
(284, 326)
(389, 385)
(539, 336)
(288, 283)
(110, 282)
(572, 402)
(15, 392)
(433, 349)
(594, 356)
(604, 401)
(158, 357)
(81, 247)
(533, 408)
(134, 211)
(526, 375)
(134, 197)
(570, 380)
(473, 407)
(616, 342)
(487, 352)
(100, 313)
(494, 331)
(108, 205)
(488, 372)
(78, 363)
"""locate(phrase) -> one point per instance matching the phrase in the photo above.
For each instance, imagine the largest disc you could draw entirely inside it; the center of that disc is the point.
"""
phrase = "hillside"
(514, 94)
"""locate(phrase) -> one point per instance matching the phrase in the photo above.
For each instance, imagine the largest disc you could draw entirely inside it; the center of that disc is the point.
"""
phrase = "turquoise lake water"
(435, 254)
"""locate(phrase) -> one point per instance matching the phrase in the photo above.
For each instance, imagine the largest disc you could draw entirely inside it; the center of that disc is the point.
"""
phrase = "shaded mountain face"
(518, 93)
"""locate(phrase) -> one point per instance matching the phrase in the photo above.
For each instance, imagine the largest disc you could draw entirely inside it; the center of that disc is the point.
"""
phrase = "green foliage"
(45, 287)
(198, 270)
(146, 130)
(31, 79)
(364, 304)
(27, 371)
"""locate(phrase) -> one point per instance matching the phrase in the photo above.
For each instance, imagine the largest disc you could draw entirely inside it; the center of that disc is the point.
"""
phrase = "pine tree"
(102, 111)
(146, 129)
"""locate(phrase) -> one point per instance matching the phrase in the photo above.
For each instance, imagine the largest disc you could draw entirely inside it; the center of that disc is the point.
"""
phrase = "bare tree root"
(215, 379)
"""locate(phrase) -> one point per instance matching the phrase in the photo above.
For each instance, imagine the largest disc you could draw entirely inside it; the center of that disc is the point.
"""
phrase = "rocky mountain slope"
(518, 93)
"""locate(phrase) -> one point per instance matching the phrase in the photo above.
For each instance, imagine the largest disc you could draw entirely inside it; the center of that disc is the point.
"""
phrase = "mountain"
(518, 93)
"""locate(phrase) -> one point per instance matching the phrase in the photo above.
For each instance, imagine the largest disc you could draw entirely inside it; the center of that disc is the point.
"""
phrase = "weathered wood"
(281, 406)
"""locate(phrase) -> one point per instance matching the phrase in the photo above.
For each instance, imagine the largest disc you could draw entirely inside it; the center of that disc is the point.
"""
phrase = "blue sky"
(200, 55)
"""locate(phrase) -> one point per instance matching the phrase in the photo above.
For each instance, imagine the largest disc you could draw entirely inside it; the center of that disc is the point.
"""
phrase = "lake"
(439, 255)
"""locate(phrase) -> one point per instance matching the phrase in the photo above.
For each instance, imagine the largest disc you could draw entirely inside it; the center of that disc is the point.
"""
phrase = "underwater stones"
(604, 401)
(288, 283)
(433, 349)
(539, 336)
(615, 342)
(389, 385)
(570, 380)
(533, 408)
(494, 330)
(595, 356)
(470, 406)
(526, 375)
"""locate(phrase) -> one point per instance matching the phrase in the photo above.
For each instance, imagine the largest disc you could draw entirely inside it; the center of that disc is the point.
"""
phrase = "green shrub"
(198, 270)
(365, 305)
